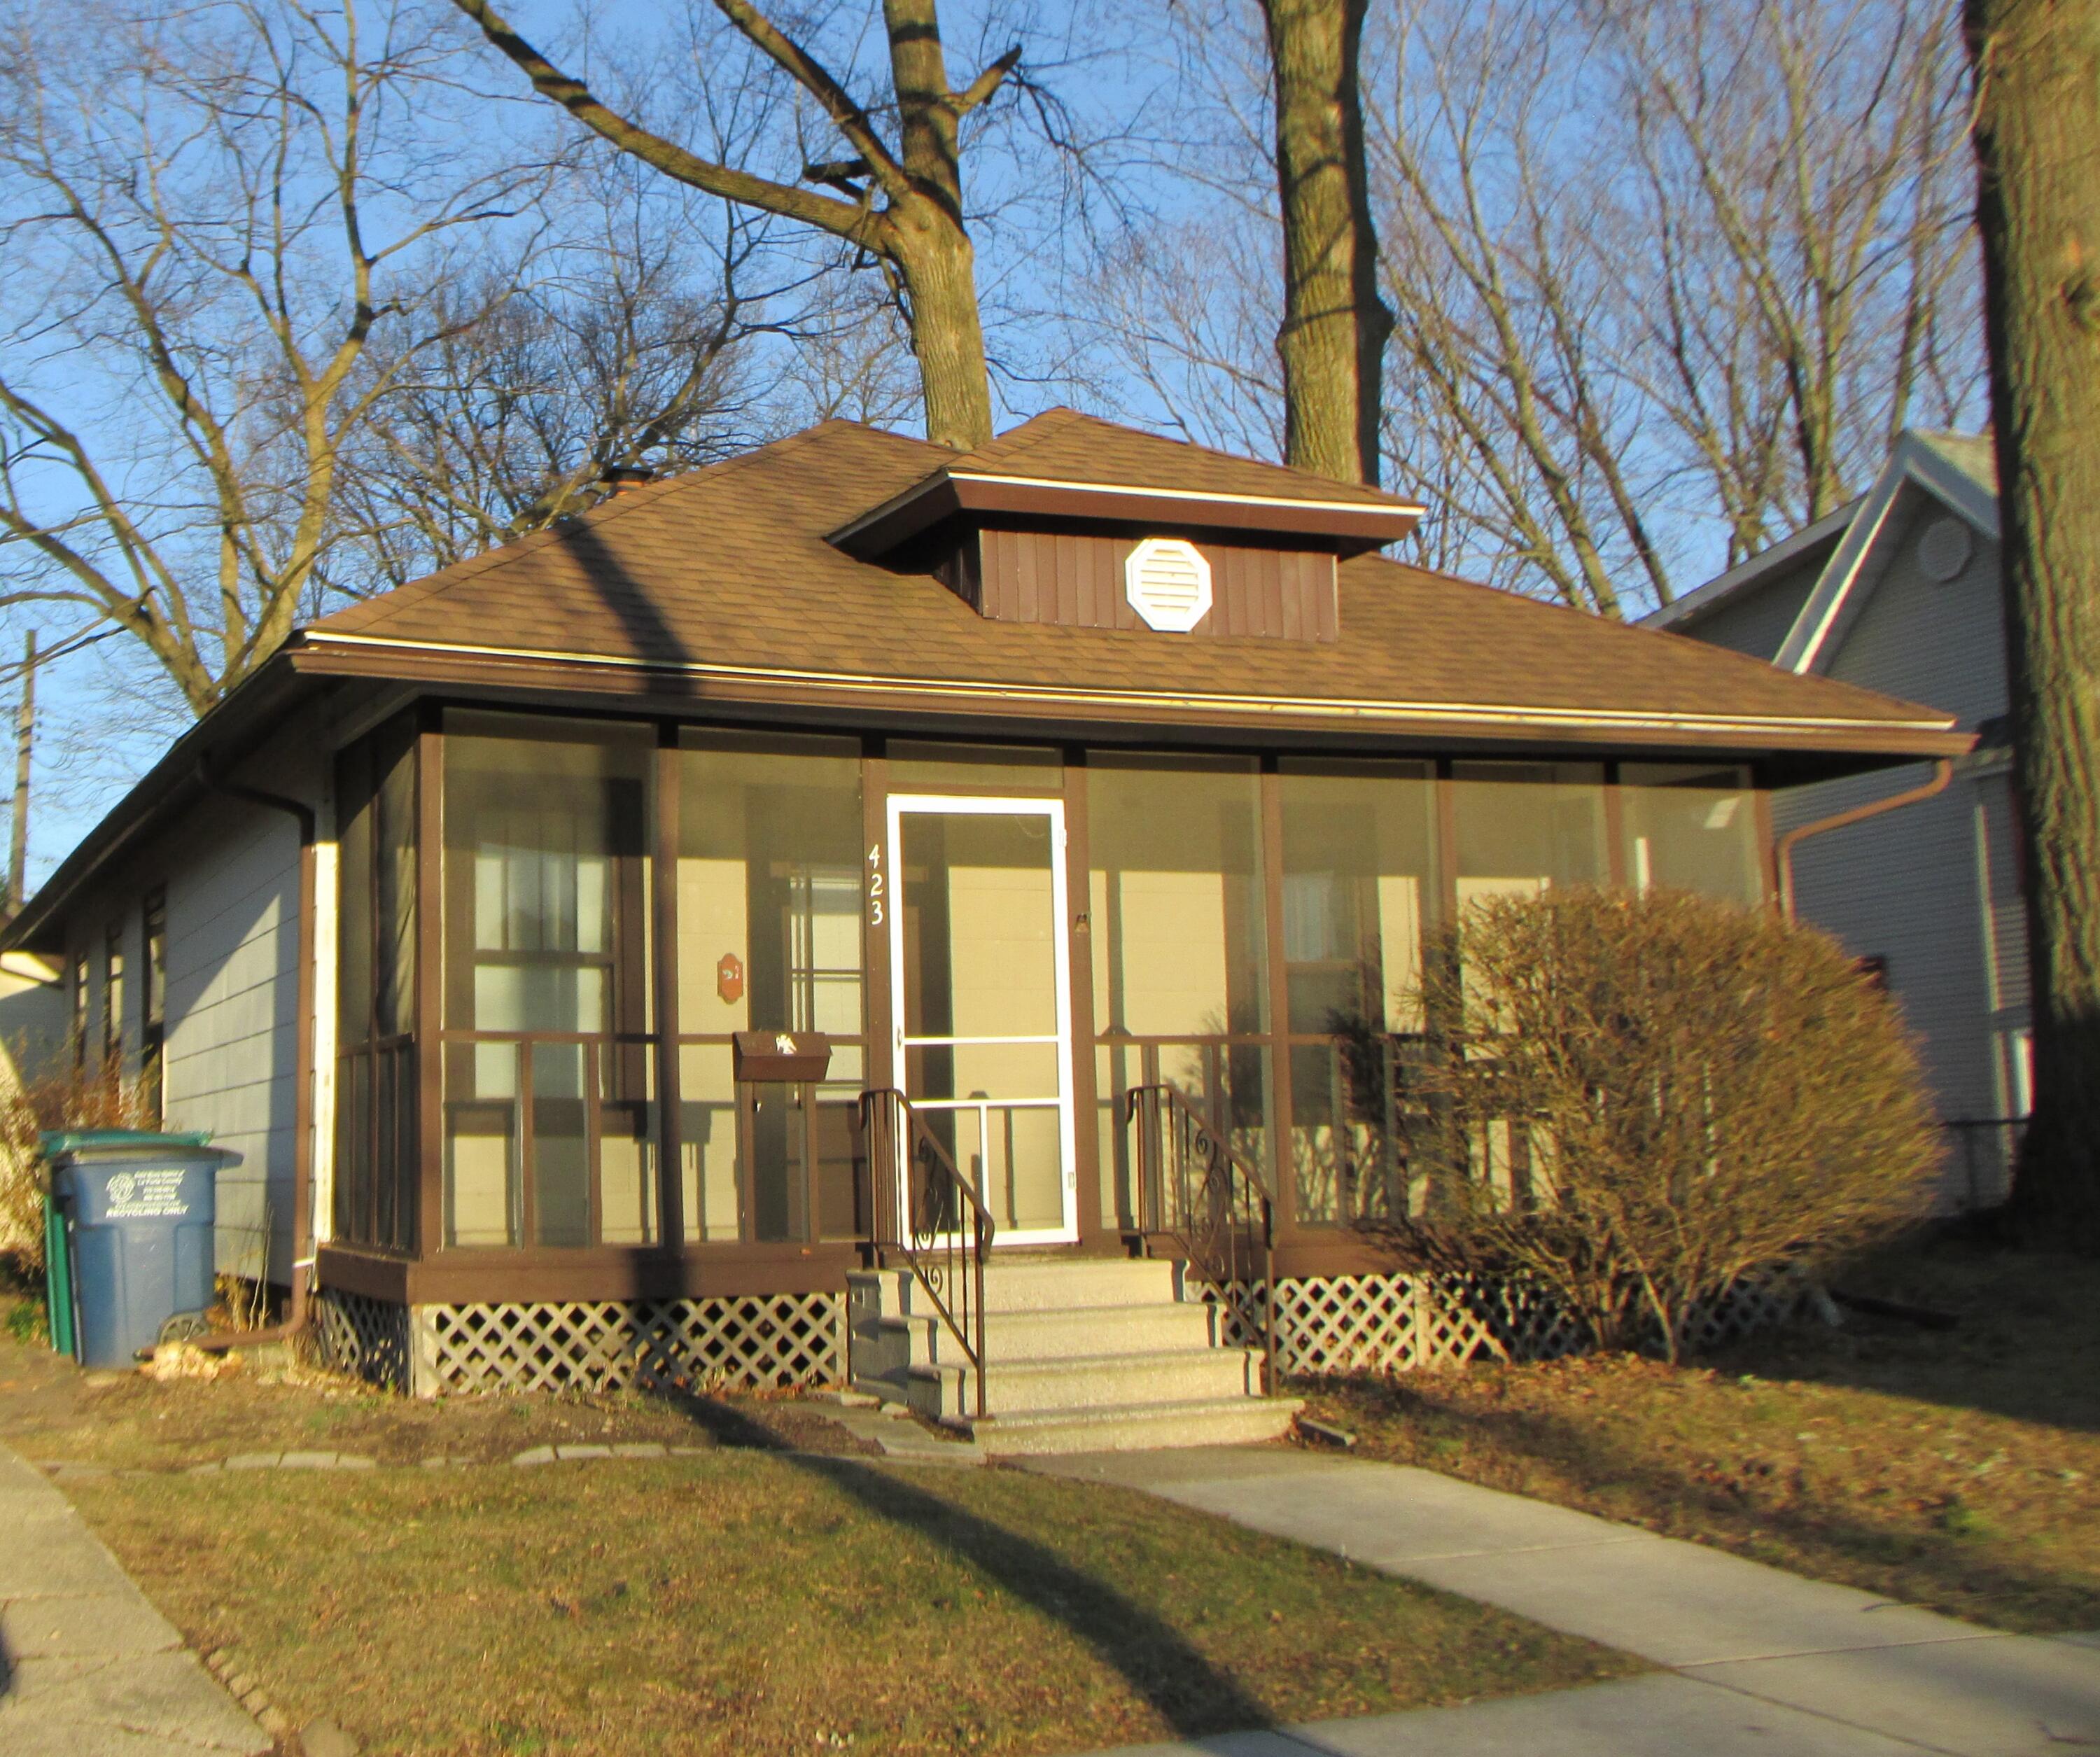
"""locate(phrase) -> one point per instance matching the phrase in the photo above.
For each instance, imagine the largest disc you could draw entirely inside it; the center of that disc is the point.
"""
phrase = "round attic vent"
(1944, 548)
(1168, 584)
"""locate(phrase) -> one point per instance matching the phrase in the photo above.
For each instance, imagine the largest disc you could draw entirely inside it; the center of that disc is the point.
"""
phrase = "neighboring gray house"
(1899, 592)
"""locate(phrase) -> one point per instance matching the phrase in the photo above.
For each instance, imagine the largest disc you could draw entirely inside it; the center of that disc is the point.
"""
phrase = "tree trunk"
(1334, 324)
(930, 244)
(2037, 65)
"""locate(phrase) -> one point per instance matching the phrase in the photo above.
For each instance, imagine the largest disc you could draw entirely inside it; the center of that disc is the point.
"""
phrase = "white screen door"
(982, 1011)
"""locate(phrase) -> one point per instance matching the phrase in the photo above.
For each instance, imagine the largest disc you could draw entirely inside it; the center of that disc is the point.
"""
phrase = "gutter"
(1942, 772)
(299, 1315)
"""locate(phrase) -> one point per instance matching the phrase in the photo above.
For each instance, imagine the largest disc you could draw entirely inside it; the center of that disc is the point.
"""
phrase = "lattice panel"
(758, 1342)
(1334, 1325)
(1752, 1305)
(366, 1338)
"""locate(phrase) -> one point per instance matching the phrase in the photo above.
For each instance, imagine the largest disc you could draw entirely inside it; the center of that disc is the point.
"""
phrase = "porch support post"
(430, 979)
(670, 1119)
(878, 1063)
(1086, 1112)
(1283, 1162)
(1615, 831)
(1768, 844)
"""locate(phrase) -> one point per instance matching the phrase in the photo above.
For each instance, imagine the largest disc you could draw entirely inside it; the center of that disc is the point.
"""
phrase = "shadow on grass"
(1190, 1693)
(1944, 1572)
(2028, 1331)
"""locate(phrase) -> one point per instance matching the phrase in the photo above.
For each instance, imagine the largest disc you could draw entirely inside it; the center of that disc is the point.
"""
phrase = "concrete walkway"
(88, 1667)
(1759, 1660)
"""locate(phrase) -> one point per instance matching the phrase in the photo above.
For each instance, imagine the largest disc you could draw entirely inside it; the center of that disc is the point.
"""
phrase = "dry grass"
(1955, 1470)
(732, 1601)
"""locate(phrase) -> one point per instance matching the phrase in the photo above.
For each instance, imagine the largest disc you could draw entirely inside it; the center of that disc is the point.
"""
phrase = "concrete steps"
(1082, 1354)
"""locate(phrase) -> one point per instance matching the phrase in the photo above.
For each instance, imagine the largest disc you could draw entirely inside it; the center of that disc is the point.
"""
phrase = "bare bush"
(1635, 1102)
(80, 1097)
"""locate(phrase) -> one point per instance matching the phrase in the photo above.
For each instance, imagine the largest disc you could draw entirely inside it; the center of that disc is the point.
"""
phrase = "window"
(1690, 828)
(153, 1010)
(113, 997)
(376, 1158)
(1526, 826)
(78, 979)
(1359, 869)
(549, 1085)
(770, 937)
(1176, 914)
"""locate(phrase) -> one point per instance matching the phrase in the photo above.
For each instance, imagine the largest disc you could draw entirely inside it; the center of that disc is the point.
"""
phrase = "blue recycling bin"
(138, 1211)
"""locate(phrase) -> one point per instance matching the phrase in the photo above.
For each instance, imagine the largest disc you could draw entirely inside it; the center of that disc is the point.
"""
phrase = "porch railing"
(927, 1213)
(1193, 1189)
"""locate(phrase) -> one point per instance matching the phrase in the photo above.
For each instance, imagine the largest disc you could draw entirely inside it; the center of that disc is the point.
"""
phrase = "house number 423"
(874, 916)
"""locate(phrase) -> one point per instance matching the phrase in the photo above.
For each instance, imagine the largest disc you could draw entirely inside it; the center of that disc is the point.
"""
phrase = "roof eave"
(1344, 527)
(172, 784)
(670, 687)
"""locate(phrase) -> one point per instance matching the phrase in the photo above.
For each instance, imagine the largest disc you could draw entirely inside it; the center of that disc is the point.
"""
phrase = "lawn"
(735, 1600)
(1958, 1469)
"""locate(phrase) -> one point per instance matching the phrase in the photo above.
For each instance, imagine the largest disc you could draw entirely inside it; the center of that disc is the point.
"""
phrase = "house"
(1899, 591)
(553, 929)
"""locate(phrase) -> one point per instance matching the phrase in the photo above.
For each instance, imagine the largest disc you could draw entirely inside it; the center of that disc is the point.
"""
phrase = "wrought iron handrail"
(928, 1213)
(1193, 1188)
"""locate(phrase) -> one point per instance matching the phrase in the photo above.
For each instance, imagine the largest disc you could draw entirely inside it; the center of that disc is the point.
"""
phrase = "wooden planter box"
(772, 1055)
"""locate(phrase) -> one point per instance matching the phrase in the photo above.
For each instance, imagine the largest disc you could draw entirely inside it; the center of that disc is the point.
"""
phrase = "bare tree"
(542, 387)
(1704, 253)
(207, 220)
(899, 201)
(1666, 280)
(2037, 86)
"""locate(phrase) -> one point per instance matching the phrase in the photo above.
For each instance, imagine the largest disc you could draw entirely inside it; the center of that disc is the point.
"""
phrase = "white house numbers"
(875, 914)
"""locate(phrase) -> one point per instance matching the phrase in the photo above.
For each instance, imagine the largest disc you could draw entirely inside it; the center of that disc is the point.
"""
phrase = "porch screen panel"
(1691, 827)
(1359, 884)
(1175, 918)
(770, 938)
(377, 1171)
(548, 1081)
(1525, 827)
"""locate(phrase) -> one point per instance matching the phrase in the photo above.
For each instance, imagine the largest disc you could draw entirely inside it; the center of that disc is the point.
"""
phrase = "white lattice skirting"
(368, 1339)
(755, 1342)
(1334, 1325)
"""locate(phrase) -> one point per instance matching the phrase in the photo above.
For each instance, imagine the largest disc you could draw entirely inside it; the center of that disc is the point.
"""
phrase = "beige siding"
(232, 1020)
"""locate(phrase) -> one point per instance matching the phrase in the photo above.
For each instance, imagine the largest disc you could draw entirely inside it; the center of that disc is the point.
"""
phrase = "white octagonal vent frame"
(1167, 582)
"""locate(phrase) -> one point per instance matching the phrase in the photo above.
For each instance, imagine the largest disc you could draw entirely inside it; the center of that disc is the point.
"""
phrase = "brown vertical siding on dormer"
(1076, 578)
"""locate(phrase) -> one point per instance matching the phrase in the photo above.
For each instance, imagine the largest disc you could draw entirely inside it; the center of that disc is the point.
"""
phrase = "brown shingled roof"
(722, 580)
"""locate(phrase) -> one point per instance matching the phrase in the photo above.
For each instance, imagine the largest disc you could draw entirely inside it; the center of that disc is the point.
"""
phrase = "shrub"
(1632, 1103)
(74, 1098)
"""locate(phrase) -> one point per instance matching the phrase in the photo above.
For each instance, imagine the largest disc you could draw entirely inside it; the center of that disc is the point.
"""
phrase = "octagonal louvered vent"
(1168, 584)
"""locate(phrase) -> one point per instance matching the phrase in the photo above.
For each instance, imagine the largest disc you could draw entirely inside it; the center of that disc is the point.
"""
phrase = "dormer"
(1072, 520)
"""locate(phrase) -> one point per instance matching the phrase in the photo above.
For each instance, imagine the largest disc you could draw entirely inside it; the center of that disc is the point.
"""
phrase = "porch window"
(375, 1163)
(548, 1087)
(1359, 877)
(1690, 828)
(770, 857)
(153, 1012)
(1176, 918)
(1525, 827)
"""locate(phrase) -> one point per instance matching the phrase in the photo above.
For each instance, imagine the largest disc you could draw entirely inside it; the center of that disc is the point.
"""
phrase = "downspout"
(298, 1315)
(1942, 772)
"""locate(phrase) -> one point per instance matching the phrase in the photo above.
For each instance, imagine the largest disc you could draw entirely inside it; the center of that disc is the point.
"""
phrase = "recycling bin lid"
(89, 1143)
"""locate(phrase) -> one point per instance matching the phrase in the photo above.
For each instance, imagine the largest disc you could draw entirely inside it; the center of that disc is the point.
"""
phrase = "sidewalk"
(88, 1667)
(1757, 1660)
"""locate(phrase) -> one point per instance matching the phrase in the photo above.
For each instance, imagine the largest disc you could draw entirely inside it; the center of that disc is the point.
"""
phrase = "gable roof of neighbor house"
(1959, 470)
(727, 590)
